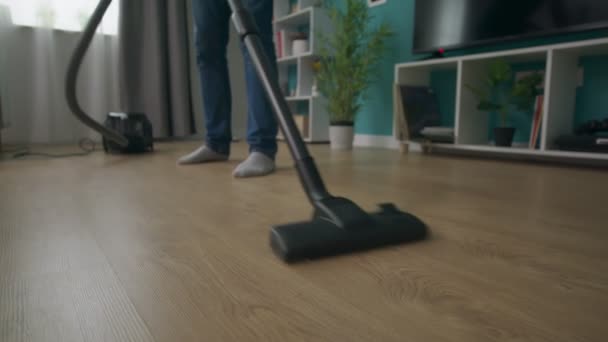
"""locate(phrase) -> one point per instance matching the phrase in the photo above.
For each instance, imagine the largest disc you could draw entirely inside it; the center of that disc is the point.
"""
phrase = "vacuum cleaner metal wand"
(309, 174)
(338, 225)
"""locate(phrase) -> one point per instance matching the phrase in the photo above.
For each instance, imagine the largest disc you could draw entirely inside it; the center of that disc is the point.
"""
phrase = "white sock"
(257, 164)
(202, 154)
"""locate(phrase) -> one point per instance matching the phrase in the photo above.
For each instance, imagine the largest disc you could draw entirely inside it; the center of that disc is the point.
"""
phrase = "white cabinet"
(301, 19)
(562, 72)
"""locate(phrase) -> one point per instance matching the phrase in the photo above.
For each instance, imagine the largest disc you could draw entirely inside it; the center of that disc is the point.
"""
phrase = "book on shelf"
(417, 107)
(537, 121)
(283, 42)
(401, 122)
(279, 44)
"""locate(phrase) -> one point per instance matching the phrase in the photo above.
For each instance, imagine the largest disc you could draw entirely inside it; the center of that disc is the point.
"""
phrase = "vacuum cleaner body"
(135, 127)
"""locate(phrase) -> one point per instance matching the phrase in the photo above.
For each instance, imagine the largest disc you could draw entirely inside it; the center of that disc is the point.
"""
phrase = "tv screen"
(454, 24)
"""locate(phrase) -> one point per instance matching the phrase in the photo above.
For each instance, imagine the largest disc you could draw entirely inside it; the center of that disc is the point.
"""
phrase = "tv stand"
(436, 55)
(471, 126)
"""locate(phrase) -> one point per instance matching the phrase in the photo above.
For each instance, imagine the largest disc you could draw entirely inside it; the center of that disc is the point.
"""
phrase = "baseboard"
(377, 141)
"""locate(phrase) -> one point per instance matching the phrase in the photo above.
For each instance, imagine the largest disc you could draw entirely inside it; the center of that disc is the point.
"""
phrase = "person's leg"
(212, 19)
(262, 126)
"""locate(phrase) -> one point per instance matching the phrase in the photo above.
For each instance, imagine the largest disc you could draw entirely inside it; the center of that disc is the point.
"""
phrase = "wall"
(376, 117)
(592, 99)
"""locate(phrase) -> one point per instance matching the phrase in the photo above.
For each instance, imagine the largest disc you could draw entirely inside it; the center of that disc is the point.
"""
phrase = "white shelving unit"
(309, 109)
(471, 125)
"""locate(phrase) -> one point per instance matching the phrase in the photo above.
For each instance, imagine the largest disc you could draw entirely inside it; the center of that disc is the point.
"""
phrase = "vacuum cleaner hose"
(72, 76)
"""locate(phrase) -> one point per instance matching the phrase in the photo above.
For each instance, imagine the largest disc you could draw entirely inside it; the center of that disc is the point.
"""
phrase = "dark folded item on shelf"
(583, 143)
(420, 108)
(438, 134)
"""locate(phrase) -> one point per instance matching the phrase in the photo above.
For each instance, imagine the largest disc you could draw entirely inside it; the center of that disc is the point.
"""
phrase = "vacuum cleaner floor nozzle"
(320, 237)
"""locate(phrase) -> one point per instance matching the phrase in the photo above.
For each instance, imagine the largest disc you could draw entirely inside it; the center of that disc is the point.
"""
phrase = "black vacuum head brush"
(322, 237)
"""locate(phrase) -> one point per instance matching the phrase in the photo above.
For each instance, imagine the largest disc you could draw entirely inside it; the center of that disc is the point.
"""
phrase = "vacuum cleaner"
(121, 132)
(338, 225)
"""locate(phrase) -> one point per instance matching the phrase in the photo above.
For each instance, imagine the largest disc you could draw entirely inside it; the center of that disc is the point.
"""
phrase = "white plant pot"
(341, 137)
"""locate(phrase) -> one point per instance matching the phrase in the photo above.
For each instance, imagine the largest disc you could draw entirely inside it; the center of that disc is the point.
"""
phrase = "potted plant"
(348, 58)
(500, 94)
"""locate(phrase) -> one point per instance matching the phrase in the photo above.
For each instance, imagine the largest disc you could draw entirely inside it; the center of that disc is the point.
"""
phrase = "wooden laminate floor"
(113, 248)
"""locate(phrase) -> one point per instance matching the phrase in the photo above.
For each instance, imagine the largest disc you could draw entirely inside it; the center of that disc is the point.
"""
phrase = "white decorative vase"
(341, 137)
(300, 47)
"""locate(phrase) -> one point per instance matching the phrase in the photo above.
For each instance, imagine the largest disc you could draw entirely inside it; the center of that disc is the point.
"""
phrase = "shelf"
(515, 151)
(288, 60)
(301, 17)
(581, 155)
(293, 59)
(431, 63)
(296, 72)
(515, 57)
(490, 148)
(585, 48)
(565, 88)
(299, 98)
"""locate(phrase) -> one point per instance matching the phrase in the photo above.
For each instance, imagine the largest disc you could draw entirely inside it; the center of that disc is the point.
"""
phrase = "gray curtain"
(5, 27)
(32, 80)
(155, 64)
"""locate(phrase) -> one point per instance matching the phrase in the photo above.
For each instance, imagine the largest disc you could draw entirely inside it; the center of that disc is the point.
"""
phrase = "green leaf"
(526, 90)
(350, 56)
(499, 72)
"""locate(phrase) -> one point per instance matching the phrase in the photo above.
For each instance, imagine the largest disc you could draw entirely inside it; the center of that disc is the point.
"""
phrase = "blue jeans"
(212, 24)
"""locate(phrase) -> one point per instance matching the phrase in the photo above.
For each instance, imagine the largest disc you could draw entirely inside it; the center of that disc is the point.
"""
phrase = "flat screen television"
(456, 24)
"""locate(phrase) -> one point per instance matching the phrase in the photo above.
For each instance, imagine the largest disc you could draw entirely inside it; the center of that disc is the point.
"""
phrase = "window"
(70, 15)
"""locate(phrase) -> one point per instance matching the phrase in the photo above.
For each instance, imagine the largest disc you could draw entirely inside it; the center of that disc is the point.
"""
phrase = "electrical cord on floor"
(7, 153)
(87, 146)
(12, 150)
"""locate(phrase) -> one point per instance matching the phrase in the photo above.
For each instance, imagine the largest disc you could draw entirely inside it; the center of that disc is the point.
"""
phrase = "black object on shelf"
(438, 134)
(593, 127)
(592, 137)
(583, 143)
(504, 136)
(420, 107)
